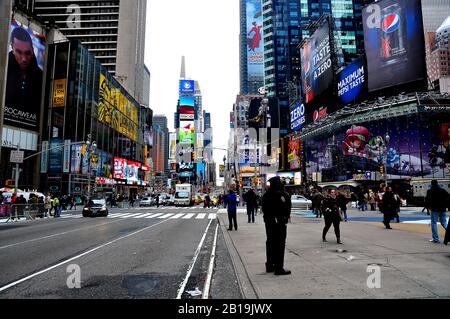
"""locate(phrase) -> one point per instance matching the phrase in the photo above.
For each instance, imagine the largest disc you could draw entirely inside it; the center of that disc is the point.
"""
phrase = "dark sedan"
(95, 207)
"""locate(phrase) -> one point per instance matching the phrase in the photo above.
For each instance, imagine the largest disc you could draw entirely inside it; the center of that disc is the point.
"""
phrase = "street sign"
(16, 157)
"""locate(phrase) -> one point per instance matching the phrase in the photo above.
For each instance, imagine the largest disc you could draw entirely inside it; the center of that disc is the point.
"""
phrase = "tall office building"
(288, 22)
(112, 30)
(160, 121)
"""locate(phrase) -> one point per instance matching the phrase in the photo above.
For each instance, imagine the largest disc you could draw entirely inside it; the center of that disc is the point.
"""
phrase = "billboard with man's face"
(24, 77)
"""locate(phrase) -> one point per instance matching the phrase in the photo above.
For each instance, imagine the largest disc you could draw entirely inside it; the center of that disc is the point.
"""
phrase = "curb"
(246, 287)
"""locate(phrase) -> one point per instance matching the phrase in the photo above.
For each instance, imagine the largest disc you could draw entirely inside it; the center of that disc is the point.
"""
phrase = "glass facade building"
(84, 100)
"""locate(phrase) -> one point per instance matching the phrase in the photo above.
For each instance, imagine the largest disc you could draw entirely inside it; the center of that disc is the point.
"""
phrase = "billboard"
(24, 77)
(172, 145)
(117, 110)
(409, 146)
(255, 47)
(394, 43)
(317, 71)
(295, 150)
(119, 167)
(298, 118)
(352, 84)
(187, 87)
(187, 132)
(221, 171)
(187, 101)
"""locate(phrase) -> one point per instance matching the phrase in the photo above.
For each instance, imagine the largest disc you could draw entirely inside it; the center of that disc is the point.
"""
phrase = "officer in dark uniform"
(276, 207)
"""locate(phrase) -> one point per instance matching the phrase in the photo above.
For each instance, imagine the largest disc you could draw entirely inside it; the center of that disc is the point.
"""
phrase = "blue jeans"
(435, 218)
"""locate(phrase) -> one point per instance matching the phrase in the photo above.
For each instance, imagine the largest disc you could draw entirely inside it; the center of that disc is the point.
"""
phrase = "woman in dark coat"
(388, 207)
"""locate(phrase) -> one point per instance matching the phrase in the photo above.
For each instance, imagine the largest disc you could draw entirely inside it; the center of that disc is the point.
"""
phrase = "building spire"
(183, 68)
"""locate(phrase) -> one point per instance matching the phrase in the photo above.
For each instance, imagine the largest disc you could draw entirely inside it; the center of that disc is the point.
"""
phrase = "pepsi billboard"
(352, 84)
(298, 118)
(317, 71)
(187, 86)
(394, 43)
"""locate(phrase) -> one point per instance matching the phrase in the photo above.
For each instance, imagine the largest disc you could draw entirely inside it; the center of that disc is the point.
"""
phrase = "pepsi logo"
(390, 22)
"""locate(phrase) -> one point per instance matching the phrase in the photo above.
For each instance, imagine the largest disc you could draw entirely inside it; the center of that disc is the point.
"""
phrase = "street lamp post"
(387, 139)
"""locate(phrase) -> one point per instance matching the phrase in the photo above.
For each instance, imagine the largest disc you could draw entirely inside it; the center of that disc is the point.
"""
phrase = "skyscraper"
(163, 154)
(113, 30)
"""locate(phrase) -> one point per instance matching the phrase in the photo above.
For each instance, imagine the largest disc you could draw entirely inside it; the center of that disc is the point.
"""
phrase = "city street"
(133, 253)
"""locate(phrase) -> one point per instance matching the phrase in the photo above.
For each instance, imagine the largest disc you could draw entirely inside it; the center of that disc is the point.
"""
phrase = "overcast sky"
(206, 32)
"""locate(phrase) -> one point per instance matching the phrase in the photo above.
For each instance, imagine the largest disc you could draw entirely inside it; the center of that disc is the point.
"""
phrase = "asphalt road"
(149, 253)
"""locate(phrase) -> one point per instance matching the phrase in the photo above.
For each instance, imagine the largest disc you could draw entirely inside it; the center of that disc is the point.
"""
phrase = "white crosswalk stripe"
(165, 216)
(155, 215)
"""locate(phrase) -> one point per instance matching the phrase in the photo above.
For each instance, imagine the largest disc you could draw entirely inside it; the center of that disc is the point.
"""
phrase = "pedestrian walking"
(388, 207)
(276, 207)
(131, 200)
(250, 199)
(372, 200)
(157, 200)
(332, 215)
(57, 207)
(231, 203)
(48, 205)
(437, 201)
(317, 199)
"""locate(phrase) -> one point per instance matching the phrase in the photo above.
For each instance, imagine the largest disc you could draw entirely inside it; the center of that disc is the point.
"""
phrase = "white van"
(184, 195)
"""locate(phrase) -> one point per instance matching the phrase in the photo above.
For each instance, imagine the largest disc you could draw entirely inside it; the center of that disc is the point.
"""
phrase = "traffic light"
(382, 170)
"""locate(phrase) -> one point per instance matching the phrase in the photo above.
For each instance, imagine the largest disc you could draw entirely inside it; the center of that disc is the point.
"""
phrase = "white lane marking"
(55, 235)
(154, 216)
(211, 267)
(177, 216)
(76, 257)
(143, 215)
(188, 216)
(200, 216)
(212, 216)
(165, 216)
(191, 266)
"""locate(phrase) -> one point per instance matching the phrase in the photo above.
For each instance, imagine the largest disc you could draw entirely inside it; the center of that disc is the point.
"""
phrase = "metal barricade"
(15, 212)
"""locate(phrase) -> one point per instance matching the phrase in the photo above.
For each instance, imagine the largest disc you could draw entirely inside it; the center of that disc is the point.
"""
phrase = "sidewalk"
(411, 267)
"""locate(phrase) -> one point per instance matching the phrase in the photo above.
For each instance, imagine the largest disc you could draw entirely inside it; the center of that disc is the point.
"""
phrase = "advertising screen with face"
(24, 77)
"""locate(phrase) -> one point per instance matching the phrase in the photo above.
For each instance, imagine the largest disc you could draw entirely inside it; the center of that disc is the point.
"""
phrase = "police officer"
(276, 207)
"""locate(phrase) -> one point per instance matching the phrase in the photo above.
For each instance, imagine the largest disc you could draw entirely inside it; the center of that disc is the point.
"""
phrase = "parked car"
(95, 207)
(164, 199)
(171, 200)
(146, 202)
(301, 202)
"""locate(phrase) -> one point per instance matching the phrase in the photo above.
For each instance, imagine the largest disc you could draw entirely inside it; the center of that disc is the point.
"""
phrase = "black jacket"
(437, 199)
(389, 203)
(276, 206)
(330, 208)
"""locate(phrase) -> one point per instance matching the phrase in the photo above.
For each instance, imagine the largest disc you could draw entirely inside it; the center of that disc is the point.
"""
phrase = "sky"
(206, 32)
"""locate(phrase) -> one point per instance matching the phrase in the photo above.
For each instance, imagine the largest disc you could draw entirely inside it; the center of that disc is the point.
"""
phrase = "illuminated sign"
(351, 82)
(187, 86)
(298, 118)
